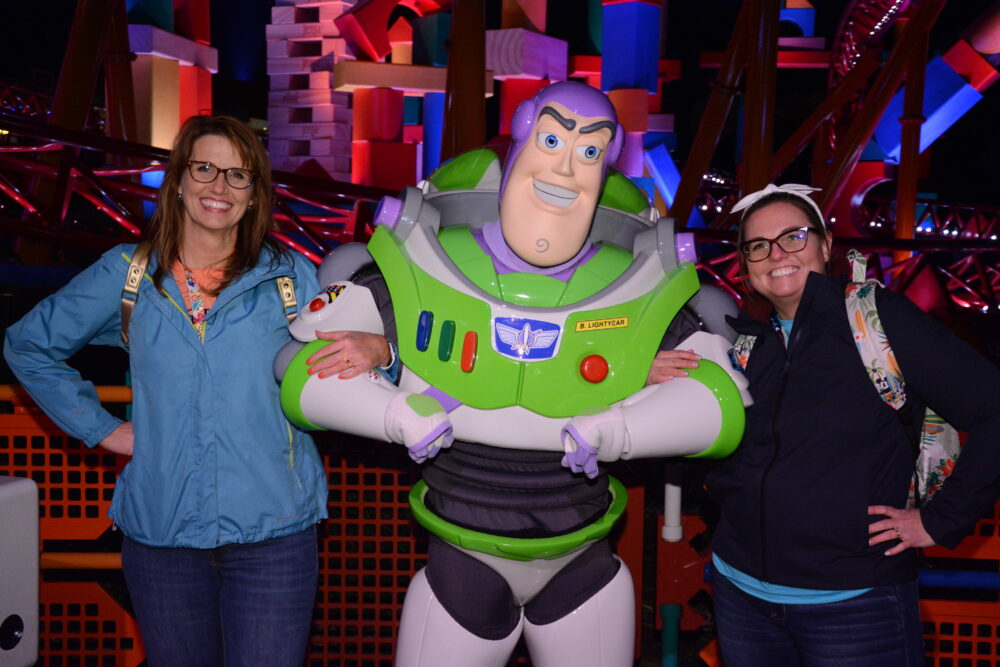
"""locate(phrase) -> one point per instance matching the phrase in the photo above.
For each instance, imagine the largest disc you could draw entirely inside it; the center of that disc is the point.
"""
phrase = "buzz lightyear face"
(552, 189)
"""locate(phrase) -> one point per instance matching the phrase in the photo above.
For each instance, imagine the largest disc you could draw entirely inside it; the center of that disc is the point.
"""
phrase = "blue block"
(433, 116)
(412, 108)
(804, 18)
(654, 139)
(151, 179)
(429, 35)
(646, 183)
(874, 153)
(630, 46)
(666, 178)
(947, 97)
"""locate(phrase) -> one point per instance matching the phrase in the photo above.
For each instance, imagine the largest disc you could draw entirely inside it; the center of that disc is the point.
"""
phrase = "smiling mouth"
(784, 271)
(553, 194)
(216, 205)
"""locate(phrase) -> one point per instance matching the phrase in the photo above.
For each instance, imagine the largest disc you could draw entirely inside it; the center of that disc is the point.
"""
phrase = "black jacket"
(820, 446)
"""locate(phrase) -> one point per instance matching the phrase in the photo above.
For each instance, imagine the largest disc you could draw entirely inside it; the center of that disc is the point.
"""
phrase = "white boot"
(430, 637)
(598, 633)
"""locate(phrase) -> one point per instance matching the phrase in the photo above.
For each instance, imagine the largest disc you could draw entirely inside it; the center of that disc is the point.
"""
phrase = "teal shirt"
(781, 594)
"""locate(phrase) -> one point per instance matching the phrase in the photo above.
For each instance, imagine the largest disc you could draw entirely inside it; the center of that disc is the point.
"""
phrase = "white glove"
(587, 438)
(420, 423)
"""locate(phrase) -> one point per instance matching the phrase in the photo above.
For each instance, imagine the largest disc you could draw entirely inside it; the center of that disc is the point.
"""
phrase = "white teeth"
(553, 194)
(220, 205)
(784, 271)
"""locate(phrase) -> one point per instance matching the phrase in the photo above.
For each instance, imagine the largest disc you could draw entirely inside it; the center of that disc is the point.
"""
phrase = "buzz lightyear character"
(526, 334)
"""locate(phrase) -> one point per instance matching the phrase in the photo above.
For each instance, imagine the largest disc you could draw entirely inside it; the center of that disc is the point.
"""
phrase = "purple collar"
(491, 240)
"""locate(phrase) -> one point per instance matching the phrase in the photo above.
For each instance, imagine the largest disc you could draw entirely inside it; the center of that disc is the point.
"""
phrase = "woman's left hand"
(903, 525)
(349, 354)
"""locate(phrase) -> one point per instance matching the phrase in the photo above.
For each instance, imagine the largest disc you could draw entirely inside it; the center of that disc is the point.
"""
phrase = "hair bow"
(797, 189)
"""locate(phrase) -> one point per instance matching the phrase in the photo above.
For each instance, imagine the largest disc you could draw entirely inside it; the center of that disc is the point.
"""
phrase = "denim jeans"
(880, 628)
(235, 605)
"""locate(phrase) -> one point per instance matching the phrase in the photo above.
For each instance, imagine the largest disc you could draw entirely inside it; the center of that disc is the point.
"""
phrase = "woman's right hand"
(670, 364)
(120, 440)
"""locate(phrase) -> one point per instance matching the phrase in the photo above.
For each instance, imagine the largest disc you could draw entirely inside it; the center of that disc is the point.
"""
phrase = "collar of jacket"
(821, 295)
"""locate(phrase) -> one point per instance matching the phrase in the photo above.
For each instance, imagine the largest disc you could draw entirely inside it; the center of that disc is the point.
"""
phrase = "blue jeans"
(880, 628)
(235, 605)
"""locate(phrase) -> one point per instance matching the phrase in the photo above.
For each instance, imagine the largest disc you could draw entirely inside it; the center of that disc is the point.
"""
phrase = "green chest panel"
(626, 335)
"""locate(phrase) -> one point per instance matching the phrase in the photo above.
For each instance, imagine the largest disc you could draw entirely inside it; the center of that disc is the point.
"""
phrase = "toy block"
(301, 31)
(432, 115)
(512, 93)
(632, 107)
(319, 113)
(660, 122)
(301, 65)
(804, 43)
(663, 170)
(350, 75)
(150, 40)
(517, 52)
(413, 134)
(329, 146)
(304, 48)
(630, 46)
(384, 164)
(412, 110)
(527, 14)
(429, 36)
(798, 4)
(195, 91)
(340, 131)
(805, 19)
(366, 26)
(401, 41)
(318, 13)
(192, 20)
(968, 63)
(947, 97)
(378, 114)
(312, 80)
(300, 98)
(655, 3)
(159, 13)
(156, 84)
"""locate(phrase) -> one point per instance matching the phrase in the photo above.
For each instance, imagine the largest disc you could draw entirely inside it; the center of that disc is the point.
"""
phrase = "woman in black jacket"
(815, 555)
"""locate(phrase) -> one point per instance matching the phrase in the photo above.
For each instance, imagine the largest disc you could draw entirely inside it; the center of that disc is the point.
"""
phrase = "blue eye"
(588, 153)
(549, 141)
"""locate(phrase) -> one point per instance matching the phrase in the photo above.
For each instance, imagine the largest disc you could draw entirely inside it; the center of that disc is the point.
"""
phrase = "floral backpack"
(939, 445)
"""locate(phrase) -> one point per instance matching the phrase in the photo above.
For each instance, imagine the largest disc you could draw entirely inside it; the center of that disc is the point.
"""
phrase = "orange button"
(594, 368)
(316, 304)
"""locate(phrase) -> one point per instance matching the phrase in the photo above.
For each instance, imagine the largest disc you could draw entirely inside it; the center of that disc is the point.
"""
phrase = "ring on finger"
(899, 535)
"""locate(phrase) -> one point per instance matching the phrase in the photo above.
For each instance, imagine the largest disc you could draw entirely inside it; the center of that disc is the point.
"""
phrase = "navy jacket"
(820, 446)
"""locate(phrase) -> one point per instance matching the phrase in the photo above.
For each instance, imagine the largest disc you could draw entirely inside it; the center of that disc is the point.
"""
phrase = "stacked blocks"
(307, 119)
(526, 62)
(632, 62)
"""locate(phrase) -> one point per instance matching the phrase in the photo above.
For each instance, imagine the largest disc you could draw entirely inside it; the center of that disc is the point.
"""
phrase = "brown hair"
(167, 223)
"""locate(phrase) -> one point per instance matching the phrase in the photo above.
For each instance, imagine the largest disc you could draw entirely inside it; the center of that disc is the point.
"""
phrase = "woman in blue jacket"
(220, 500)
(815, 551)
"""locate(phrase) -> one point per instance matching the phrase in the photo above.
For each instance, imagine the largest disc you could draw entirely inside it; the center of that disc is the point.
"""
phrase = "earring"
(180, 197)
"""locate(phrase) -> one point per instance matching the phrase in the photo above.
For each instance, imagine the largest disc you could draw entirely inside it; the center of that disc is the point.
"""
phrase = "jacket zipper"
(777, 447)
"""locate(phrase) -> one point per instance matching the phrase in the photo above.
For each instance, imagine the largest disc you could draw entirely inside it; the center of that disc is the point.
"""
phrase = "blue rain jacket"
(215, 461)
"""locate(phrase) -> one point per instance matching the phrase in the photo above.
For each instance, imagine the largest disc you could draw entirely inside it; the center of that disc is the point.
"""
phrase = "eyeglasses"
(206, 172)
(790, 240)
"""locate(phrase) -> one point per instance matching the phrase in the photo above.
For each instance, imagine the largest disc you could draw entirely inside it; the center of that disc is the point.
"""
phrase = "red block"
(366, 25)
(384, 164)
(191, 20)
(378, 114)
(967, 62)
(512, 93)
(195, 94)
(632, 107)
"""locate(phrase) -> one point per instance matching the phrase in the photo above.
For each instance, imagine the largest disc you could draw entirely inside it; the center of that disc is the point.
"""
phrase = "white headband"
(796, 189)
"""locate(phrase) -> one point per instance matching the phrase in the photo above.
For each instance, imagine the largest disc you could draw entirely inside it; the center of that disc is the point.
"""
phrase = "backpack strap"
(286, 289)
(873, 344)
(130, 292)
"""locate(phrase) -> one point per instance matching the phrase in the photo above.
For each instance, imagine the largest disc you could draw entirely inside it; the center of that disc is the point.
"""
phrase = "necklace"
(198, 310)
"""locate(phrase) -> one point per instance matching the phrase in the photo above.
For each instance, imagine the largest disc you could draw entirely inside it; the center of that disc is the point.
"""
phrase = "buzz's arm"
(701, 415)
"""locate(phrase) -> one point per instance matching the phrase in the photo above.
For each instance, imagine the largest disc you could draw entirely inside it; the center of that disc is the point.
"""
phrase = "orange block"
(384, 164)
(632, 107)
(378, 114)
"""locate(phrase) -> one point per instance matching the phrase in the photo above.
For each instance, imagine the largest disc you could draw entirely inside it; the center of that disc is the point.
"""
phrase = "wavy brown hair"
(167, 223)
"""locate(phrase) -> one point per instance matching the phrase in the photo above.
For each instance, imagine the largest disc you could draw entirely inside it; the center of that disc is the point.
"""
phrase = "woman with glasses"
(815, 554)
(220, 499)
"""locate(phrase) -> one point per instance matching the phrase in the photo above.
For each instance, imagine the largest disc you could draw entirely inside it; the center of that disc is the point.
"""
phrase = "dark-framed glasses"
(206, 172)
(790, 240)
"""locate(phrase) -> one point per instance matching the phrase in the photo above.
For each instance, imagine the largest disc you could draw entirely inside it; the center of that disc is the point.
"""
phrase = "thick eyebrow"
(568, 123)
(599, 125)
